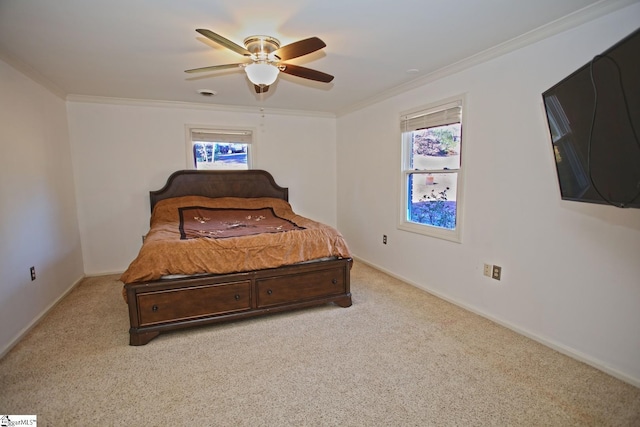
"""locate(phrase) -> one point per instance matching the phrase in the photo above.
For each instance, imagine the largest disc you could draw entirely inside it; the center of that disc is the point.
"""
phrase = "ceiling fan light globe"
(262, 74)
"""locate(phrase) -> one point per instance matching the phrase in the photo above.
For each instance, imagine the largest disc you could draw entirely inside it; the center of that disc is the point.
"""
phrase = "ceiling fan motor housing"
(262, 46)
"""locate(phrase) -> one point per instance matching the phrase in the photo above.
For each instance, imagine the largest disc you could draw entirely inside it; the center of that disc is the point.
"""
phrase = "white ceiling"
(139, 49)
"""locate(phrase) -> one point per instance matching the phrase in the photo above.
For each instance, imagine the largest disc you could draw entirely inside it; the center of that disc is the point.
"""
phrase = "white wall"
(123, 150)
(38, 221)
(571, 271)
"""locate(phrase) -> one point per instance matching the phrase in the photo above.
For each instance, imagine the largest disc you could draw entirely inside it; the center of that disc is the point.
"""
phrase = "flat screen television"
(594, 124)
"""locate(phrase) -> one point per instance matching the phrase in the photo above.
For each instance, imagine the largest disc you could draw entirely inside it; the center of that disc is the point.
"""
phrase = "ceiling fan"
(266, 56)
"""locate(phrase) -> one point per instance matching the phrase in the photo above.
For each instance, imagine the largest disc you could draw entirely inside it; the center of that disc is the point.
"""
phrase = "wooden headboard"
(223, 183)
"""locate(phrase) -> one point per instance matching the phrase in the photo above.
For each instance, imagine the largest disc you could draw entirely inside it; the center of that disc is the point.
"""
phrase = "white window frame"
(454, 235)
(245, 131)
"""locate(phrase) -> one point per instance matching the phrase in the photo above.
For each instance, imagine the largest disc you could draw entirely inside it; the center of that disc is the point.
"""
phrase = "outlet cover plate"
(496, 272)
(487, 270)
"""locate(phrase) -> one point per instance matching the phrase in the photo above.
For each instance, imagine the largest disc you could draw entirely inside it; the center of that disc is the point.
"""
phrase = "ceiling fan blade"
(213, 68)
(224, 42)
(299, 48)
(306, 73)
(261, 89)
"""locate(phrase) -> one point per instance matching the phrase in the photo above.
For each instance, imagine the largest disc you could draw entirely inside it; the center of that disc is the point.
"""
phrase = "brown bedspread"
(221, 223)
(165, 253)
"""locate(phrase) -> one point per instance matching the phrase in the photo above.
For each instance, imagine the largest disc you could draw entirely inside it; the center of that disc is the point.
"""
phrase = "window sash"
(429, 201)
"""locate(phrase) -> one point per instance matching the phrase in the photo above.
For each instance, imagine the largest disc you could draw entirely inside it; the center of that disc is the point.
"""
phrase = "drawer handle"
(334, 281)
(154, 308)
(237, 297)
(269, 291)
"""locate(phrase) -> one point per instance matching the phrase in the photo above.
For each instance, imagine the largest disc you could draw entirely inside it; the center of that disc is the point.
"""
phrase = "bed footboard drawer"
(298, 287)
(189, 303)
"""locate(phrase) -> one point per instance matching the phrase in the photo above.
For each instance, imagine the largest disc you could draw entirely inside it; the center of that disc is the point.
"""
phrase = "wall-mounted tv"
(594, 123)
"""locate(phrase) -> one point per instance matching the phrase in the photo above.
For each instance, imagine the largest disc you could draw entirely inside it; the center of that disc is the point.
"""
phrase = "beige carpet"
(397, 357)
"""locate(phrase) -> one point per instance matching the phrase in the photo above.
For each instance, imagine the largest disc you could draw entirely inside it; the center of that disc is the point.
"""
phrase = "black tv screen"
(594, 123)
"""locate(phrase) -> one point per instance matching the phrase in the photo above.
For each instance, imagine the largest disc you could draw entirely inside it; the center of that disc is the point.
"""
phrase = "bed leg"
(344, 301)
(141, 338)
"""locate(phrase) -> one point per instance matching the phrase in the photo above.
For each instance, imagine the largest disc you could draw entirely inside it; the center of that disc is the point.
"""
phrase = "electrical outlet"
(487, 270)
(33, 273)
(497, 272)
(384, 239)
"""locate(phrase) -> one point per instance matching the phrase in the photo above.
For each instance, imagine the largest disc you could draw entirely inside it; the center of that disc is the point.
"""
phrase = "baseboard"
(37, 319)
(104, 273)
(561, 348)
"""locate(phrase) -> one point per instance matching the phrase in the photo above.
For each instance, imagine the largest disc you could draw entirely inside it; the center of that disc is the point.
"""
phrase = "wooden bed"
(167, 304)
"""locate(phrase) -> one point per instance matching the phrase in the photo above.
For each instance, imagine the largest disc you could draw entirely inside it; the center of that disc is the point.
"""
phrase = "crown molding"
(194, 106)
(31, 73)
(586, 14)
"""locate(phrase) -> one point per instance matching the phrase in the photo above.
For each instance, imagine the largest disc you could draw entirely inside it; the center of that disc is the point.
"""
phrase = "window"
(219, 148)
(431, 201)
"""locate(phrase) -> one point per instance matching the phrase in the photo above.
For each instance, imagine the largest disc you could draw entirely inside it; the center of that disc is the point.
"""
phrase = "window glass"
(433, 199)
(436, 148)
(219, 149)
(214, 155)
